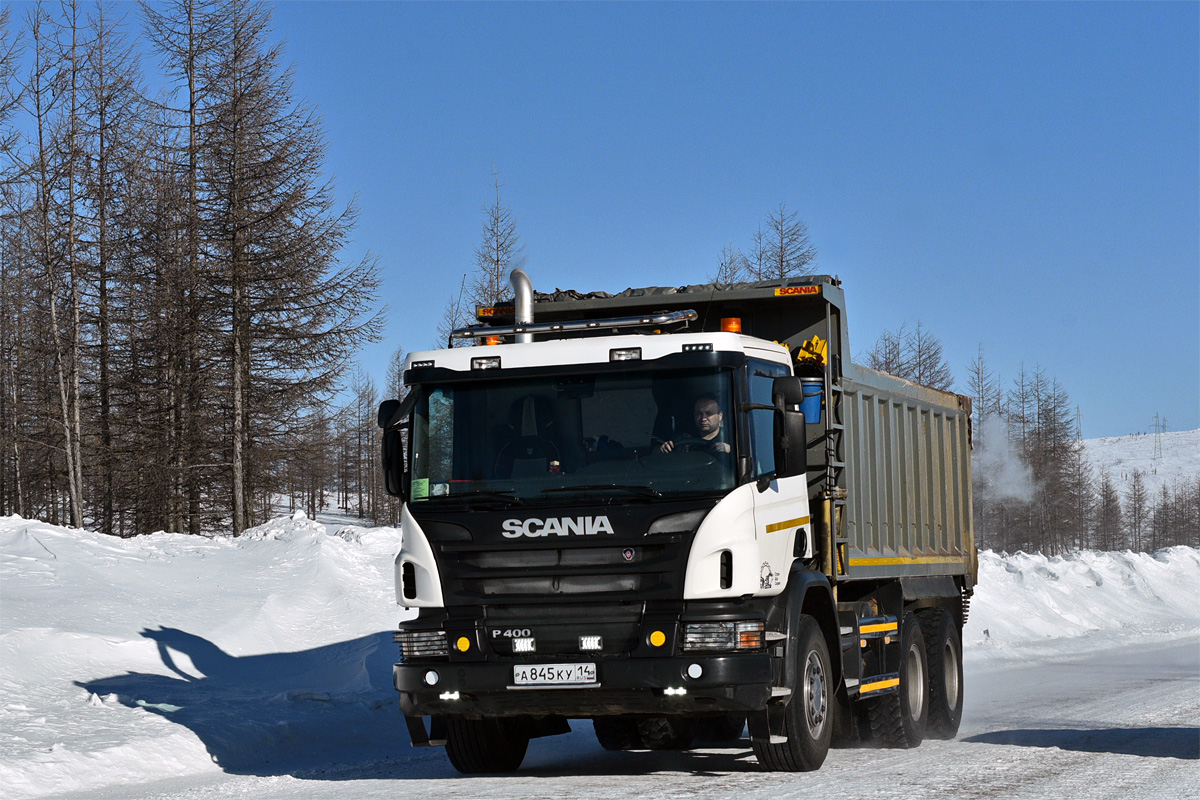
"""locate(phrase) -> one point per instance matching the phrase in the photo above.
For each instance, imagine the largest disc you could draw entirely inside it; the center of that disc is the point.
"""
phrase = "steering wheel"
(679, 459)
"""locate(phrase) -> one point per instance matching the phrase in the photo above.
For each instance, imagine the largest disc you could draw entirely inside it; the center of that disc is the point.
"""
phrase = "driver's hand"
(666, 447)
(721, 447)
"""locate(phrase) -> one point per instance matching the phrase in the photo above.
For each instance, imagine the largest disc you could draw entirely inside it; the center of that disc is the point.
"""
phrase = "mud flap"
(767, 725)
(435, 737)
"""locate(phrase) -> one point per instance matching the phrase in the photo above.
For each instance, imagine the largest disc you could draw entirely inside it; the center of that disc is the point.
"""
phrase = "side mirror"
(791, 439)
(393, 463)
(387, 410)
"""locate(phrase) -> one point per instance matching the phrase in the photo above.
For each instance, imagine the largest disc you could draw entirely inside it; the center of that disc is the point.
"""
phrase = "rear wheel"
(485, 745)
(900, 719)
(617, 733)
(666, 733)
(808, 721)
(943, 651)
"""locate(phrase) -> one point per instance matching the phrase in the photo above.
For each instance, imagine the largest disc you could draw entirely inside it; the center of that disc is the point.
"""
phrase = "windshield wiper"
(645, 491)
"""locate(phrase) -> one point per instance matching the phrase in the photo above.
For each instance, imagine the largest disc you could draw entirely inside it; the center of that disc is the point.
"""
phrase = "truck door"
(781, 510)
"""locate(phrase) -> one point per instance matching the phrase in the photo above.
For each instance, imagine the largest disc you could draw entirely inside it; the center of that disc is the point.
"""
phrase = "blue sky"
(1025, 175)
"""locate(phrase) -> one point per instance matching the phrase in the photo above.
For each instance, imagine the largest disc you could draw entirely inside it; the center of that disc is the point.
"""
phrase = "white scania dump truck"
(681, 514)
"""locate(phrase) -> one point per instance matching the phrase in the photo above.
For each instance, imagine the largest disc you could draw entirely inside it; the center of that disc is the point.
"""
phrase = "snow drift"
(270, 654)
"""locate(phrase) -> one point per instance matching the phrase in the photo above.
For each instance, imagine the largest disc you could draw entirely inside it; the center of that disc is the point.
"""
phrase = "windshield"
(635, 434)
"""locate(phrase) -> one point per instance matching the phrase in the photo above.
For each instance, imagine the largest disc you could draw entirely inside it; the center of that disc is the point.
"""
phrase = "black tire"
(666, 733)
(808, 717)
(943, 651)
(899, 719)
(724, 729)
(617, 733)
(485, 745)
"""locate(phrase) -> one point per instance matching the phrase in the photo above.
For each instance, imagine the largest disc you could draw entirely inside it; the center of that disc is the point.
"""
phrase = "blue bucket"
(814, 388)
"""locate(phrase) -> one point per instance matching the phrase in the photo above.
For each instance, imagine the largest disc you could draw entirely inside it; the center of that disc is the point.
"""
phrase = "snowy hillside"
(127, 661)
(1119, 456)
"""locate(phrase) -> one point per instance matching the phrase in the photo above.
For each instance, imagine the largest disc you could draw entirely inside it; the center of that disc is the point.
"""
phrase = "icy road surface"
(1110, 723)
(173, 666)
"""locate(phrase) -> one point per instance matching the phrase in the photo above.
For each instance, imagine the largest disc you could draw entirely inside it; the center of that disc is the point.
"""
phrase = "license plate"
(554, 674)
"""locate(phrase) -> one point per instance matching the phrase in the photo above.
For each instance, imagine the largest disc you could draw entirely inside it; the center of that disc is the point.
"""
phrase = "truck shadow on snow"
(275, 713)
(1147, 742)
(330, 713)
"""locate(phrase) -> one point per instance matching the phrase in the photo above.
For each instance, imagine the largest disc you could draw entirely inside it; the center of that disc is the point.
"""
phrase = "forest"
(179, 330)
(176, 319)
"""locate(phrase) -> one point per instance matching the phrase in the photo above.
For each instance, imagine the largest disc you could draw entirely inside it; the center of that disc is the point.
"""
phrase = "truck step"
(780, 691)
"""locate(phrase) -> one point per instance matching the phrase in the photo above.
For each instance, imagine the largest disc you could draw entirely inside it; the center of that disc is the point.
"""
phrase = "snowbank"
(270, 654)
(1025, 599)
(125, 659)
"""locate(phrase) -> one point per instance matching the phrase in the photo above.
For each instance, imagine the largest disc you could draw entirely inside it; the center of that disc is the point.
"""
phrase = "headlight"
(685, 522)
(723, 635)
(421, 644)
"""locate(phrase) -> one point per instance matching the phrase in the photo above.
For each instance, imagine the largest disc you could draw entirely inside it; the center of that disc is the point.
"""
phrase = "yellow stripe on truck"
(881, 562)
(875, 687)
(787, 523)
(883, 626)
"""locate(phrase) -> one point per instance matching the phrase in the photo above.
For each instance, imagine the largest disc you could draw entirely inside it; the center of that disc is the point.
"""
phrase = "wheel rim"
(914, 677)
(950, 660)
(816, 695)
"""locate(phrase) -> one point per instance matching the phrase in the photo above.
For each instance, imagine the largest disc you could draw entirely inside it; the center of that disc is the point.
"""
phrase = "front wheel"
(900, 719)
(485, 745)
(808, 721)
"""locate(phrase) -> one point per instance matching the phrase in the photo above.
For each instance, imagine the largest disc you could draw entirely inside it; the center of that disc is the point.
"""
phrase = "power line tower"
(1160, 427)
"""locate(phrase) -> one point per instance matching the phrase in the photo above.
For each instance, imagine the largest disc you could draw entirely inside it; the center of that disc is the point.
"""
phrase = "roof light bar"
(597, 325)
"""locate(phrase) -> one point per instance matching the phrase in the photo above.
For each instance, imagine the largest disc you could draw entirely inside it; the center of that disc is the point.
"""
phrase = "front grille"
(580, 571)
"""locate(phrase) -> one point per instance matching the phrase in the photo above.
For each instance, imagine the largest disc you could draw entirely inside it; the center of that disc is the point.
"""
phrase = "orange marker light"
(492, 340)
(750, 640)
(731, 324)
(463, 644)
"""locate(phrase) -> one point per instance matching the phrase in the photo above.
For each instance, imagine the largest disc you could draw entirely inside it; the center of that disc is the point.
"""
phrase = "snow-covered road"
(176, 666)
(1113, 721)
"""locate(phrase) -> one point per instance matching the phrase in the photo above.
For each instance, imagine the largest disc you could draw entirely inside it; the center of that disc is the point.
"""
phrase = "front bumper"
(728, 683)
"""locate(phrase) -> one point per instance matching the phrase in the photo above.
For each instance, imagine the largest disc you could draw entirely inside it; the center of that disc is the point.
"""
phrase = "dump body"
(907, 478)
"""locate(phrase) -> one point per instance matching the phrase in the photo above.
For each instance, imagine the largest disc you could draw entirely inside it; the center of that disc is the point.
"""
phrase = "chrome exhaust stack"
(523, 302)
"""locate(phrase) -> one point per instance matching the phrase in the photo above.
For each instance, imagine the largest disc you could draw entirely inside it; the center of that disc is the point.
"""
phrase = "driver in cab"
(707, 417)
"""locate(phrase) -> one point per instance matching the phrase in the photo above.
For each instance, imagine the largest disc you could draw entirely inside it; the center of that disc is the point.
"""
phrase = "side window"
(762, 421)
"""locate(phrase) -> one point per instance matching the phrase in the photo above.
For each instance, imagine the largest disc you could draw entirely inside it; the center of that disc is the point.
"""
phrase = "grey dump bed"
(889, 463)
(908, 478)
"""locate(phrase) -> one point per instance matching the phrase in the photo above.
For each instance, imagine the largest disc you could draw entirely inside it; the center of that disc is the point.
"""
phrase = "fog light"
(673, 692)
(694, 671)
(431, 678)
(449, 696)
